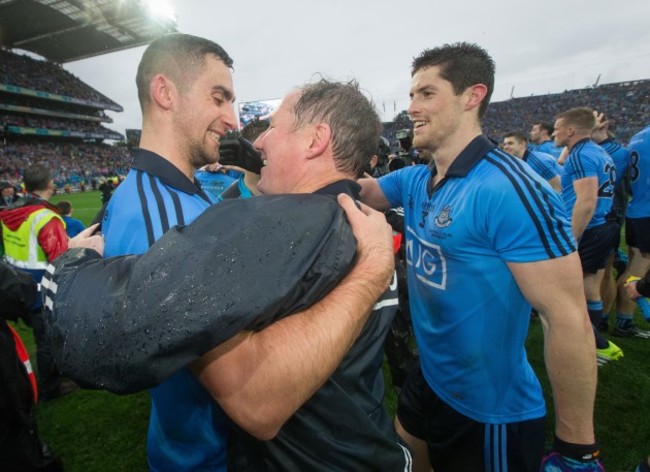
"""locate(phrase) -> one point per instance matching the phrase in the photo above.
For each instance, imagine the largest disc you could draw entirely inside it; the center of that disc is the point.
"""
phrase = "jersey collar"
(155, 165)
(349, 187)
(464, 162)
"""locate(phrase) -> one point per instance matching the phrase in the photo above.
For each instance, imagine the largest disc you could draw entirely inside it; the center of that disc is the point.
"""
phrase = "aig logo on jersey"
(427, 259)
(444, 218)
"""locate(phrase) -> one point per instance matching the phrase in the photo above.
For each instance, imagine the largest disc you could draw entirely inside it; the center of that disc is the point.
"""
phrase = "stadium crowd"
(524, 228)
(70, 162)
(24, 71)
(626, 104)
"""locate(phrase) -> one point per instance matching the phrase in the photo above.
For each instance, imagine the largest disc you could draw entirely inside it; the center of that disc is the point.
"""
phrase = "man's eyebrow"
(226, 92)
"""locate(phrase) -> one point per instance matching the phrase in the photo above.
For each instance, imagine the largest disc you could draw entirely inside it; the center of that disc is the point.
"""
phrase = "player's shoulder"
(640, 139)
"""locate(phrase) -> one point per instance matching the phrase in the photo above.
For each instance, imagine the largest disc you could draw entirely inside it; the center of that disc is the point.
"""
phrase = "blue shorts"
(637, 233)
(458, 443)
(596, 245)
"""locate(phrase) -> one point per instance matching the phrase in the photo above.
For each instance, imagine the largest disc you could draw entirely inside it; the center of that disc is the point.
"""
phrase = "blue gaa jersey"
(543, 164)
(549, 147)
(619, 155)
(639, 147)
(216, 182)
(187, 428)
(469, 316)
(588, 159)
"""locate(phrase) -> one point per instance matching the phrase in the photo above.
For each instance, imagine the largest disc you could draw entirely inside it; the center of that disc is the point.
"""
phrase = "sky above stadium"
(538, 47)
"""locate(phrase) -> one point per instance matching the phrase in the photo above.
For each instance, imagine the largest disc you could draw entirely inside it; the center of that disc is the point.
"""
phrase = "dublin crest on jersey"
(444, 218)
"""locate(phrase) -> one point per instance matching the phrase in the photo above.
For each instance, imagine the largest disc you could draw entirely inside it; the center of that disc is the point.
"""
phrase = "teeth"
(214, 136)
(417, 124)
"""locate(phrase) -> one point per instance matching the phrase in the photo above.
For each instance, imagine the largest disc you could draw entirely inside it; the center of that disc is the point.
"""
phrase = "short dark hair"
(520, 137)
(179, 56)
(37, 177)
(64, 207)
(545, 126)
(463, 64)
(351, 116)
(582, 118)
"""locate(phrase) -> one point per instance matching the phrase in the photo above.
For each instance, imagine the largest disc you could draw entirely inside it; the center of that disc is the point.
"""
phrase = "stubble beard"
(199, 156)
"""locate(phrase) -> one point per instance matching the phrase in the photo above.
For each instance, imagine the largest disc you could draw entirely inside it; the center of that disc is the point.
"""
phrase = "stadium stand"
(46, 113)
(627, 105)
(50, 116)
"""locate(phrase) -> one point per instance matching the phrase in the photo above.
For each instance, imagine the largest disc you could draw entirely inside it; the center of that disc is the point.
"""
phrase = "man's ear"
(321, 137)
(475, 96)
(162, 91)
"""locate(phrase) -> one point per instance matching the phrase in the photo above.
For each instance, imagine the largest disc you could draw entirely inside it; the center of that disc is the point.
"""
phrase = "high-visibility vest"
(24, 358)
(21, 246)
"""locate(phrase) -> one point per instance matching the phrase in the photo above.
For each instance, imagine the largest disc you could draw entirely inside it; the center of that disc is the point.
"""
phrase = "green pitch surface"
(85, 205)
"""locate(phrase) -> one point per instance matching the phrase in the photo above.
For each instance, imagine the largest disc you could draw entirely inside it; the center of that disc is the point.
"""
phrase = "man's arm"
(586, 199)
(554, 288)
(372, 195)
(261, 378)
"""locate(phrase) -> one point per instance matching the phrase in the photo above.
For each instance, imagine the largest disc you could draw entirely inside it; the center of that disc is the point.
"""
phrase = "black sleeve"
(17, 292)
(127, 323)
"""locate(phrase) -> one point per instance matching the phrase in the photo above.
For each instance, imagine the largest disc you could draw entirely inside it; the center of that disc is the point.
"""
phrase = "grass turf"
(98, 431)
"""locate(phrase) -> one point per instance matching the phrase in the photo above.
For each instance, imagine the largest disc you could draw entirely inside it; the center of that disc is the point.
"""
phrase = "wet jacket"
(127, 323)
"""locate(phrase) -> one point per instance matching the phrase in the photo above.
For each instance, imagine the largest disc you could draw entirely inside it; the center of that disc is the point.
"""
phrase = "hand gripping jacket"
(127, 323)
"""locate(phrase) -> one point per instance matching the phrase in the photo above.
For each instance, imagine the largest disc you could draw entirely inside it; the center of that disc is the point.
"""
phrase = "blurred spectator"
(8, 194)
(73, 226)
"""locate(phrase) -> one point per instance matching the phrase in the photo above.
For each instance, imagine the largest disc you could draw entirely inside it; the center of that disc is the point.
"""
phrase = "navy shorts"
(596, 245)
(458, 443)
(637, 233)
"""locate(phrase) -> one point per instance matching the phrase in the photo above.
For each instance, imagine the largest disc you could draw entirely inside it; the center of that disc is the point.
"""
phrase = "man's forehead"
(288, 103)
(425, 75)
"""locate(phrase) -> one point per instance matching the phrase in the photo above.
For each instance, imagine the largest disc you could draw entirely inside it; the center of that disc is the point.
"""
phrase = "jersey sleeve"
(391, 185)
(583, 165)
(545, 166)
(527, 222)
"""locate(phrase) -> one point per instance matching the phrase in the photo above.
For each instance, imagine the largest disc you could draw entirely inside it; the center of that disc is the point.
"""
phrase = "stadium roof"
(69, 30)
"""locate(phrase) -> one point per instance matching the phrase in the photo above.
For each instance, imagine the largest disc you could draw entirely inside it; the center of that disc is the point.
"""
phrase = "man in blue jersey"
(588, 190)
(485, 236)
(621, 157)
(186, 94)
(637, 229)
(543, 164)
(541, 137)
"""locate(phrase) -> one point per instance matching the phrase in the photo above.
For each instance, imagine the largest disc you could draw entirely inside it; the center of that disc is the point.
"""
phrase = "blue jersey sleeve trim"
(162, 211)
(145, 208)
(546, 209)
(180, 217)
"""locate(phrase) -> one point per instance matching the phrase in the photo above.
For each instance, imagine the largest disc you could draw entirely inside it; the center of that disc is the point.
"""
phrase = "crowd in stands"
(627, 105)
(35, 121)
(24, 71)
(71, 163)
